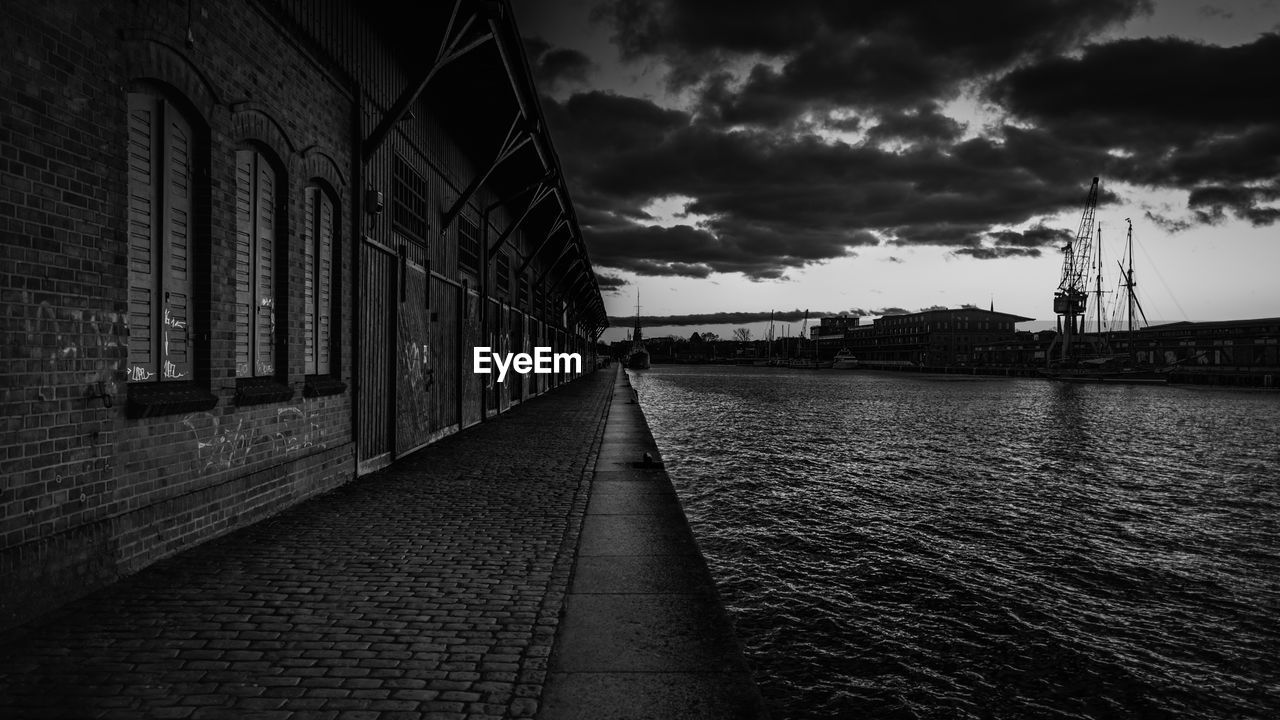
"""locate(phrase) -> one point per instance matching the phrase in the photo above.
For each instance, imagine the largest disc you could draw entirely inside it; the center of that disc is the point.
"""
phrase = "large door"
(376, 380)
(415, 369)
(472, 336)
(445, 323)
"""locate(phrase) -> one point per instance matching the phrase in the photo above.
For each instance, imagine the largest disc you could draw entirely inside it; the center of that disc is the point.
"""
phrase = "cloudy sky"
(748, 155)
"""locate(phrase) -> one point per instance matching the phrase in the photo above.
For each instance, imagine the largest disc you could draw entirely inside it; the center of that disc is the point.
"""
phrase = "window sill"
(321, 385)
(260, 391)
(167, 398)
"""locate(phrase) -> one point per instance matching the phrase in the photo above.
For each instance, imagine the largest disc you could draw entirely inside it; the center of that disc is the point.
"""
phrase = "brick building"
(249, 245)
(929, 338)
(1233, 351)
(829, 334)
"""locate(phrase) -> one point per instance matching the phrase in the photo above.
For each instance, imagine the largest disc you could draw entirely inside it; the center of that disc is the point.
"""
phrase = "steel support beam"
(523, 102)
(542, 193)
(560, 223)
(547, 270)
(517, 137)
(565, 275)
(451, 48)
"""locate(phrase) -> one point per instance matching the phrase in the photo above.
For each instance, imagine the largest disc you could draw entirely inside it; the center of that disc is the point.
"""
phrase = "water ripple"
(899, 546)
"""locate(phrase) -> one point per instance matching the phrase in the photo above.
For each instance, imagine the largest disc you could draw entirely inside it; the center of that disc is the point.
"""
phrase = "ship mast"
(1129, 284)
(1069, 302)
(768, 349)
(636, 338)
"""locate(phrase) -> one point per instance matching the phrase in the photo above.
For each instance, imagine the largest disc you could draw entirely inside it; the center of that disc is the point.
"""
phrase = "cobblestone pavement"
(431, 589)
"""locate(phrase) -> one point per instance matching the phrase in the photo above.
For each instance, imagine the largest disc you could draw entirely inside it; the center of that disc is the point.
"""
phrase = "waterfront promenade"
(432, 589)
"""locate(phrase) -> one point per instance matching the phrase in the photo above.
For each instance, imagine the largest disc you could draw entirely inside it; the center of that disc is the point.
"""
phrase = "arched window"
(257, 190)
(161, 173)
(318, 227)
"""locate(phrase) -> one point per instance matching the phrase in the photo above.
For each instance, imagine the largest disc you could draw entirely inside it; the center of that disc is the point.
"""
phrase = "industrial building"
(249, 246)
(1231, 352)
(929, 338)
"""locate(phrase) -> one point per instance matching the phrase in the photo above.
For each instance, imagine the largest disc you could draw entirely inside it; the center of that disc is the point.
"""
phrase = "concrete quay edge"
(644, 634)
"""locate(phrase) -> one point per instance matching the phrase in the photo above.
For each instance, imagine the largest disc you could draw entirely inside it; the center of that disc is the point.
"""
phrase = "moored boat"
(844, 360)
(638, 357)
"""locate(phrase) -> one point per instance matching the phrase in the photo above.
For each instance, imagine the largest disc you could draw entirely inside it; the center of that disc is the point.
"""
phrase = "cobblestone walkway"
(431, 589)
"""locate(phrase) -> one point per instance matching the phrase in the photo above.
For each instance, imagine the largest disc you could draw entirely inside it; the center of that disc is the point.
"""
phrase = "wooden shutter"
(177, 248)
(309, 282)
(142, 196)
(244, 262)
(265, 253)
(324, 285)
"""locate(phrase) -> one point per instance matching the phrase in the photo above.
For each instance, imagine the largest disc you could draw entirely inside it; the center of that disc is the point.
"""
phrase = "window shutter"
(244, 261)
(177, 250)
(309, 248)
(142, 195)
(324, 291)
(264, 352)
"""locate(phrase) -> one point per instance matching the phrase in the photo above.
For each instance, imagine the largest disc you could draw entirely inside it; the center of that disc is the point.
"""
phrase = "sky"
(883, 156)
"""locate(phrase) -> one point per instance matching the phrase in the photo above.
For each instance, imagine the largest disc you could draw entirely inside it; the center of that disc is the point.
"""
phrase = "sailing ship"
(768, 348)
(800, 361)
(1084, 358)
(638, 357)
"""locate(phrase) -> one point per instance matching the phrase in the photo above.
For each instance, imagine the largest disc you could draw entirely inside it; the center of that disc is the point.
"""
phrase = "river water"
(907, 546)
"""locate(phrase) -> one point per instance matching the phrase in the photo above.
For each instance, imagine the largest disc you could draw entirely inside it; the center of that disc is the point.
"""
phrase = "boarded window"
(317, 230)
(161, 186)
(408, 200)
(255, 267)
(468, 244)
(522, 299)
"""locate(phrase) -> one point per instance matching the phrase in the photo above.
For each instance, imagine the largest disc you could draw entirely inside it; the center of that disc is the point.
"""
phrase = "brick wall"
(88, 493)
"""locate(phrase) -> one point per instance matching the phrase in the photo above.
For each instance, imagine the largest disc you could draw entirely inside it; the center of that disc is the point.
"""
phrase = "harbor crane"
(1071, 299)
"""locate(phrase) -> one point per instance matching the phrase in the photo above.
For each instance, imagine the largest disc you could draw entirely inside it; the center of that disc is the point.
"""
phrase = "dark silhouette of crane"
(1071, 299)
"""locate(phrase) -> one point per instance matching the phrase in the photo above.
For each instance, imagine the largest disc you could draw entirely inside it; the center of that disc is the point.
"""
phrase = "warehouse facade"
(251, 246)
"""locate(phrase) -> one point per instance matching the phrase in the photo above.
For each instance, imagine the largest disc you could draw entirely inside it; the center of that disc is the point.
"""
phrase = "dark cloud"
(1167, 224)
(723, 318)
(773, 202)
(1210, 203)
(923, 124)
(868, 53)
(997, 253)
(1039, 236)
(1172, 113)
(770, 190)
(610, 283)
(554, 67)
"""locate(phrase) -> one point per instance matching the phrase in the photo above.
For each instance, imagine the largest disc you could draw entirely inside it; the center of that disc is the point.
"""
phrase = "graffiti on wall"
(223, 442)
(72, 346)
(417, 373)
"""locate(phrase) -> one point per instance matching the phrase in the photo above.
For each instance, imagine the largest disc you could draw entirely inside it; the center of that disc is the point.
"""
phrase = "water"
(905, 546)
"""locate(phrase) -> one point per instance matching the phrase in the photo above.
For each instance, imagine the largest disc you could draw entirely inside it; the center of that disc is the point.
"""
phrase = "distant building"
(1220, 348)
(1236, 344)
(930, 338)
(829, 334)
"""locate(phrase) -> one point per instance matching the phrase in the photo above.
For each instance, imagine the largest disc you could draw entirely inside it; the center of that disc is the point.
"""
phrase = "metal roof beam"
(541, 194)
(518, 136)
(451, 48)
(561, 223)
(547, 270)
